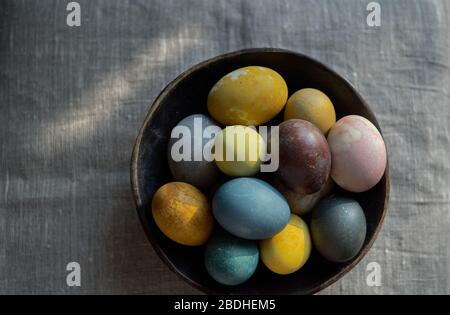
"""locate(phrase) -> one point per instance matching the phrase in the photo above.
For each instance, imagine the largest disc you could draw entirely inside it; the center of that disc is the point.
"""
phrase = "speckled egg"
(289, 250)
(231, 260)
(304, 156)
(247, 96)
(239, 150)
(358, 153)
(311, 105)
(250, 208)
(302, 204)
(182, 213)
(338, 228)
(195, 135)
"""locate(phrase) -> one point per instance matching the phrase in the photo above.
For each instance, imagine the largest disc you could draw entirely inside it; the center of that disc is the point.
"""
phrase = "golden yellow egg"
(289, 250)
(247, 96)
(182, 213)
(238, 151)
(311, 105)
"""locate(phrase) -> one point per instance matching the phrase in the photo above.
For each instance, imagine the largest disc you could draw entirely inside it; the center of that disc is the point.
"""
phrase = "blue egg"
(338, 228)
(250, 208)
(231, 260)
(187, 162)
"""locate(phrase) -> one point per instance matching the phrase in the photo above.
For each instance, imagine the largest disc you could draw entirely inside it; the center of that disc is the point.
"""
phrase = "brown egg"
(304, 156)
(302, 204)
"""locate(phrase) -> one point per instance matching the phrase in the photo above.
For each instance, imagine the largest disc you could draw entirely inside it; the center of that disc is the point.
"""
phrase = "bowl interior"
(187, 95)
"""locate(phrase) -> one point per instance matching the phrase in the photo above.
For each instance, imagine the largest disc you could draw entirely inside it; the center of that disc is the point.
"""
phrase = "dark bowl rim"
(157, 103)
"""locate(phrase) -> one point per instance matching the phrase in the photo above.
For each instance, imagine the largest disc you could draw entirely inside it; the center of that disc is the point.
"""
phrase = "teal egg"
(338, 228)
(250, 208)
(231, 260)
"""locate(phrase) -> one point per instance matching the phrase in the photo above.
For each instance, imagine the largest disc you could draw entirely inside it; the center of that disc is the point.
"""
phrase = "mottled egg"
(247, 96)
(238, 151)
(311, 105)
(289, 250)
(304, 156)
(338, 228)
(231, 260)
(302, 204)
(182, 213)
(358, 153)
(250, 208)
(193, 136)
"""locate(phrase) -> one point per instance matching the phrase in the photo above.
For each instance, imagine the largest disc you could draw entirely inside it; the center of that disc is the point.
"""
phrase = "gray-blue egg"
(250, 208)
(338, 228)
(231, 260)
(190, 139)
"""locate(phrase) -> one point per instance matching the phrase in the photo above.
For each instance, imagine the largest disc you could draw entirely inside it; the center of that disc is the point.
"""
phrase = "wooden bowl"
(187, 95)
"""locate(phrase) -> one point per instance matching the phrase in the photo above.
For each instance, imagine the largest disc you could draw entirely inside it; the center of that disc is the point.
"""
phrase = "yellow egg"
(311, 105)
(289, 250)
(247, 96)
(238, 151)
(183, 213)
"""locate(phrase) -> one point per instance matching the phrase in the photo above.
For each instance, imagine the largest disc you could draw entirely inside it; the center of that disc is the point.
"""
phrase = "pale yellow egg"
(239, 151)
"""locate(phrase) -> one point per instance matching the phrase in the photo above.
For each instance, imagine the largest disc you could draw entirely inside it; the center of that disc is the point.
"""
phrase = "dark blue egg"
(199, 170)
(250, 208)
(231, 260)
(338, 228)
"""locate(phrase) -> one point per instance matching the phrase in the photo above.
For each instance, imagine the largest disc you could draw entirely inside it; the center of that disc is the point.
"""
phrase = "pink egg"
(358, 153)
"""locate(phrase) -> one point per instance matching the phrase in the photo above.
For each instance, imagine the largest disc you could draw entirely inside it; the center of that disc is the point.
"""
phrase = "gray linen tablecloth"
(73, 98)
